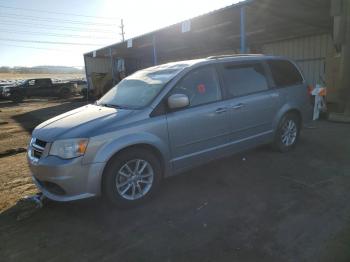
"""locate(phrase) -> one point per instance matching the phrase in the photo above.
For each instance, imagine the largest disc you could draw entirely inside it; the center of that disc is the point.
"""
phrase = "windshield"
(140, 88)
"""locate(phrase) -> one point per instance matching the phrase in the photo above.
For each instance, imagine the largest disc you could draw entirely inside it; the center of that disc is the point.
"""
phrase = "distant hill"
(42, 70)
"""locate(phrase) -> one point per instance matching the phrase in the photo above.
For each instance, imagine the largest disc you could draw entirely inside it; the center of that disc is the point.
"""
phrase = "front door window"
(201, 86)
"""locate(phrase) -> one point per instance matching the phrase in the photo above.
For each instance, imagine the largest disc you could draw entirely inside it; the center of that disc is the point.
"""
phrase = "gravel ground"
(18, 122)
(259, 205)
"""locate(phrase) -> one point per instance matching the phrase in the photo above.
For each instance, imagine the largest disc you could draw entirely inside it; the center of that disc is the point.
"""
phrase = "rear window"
(284, 73)
(244, 79)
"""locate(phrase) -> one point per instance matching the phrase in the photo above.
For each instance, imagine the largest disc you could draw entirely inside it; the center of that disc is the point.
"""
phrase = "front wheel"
(287, 133)
(17, 97)
(131, 177)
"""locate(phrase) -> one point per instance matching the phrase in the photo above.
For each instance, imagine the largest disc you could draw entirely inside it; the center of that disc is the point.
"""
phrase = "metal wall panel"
(309, 52)
(97, 65)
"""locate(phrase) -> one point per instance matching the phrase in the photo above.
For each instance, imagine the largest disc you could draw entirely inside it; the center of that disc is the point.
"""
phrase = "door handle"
(221, 110)
(238, 106)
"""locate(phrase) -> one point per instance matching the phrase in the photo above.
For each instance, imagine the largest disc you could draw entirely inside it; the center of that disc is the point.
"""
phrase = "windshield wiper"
(112, 106)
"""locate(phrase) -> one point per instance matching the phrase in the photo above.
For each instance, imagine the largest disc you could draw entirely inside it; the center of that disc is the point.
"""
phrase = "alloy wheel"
(134, 179)
(289, 132)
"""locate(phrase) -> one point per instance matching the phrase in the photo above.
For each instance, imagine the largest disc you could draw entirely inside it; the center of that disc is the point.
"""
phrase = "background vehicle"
(42, 87)
(1, 91)
(166, 119)
(80, 85)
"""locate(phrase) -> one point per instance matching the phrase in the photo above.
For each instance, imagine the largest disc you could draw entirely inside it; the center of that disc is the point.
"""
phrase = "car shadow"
(9, 103)
(29, 120)
(4, 103)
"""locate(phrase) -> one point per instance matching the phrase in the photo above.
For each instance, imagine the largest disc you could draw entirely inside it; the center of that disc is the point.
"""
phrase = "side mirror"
(178, 101)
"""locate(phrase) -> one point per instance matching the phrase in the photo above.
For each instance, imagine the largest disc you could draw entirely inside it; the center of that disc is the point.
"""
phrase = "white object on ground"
(320, 103)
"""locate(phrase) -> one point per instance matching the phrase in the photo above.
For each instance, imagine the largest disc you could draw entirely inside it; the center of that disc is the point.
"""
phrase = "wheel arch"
(146, 146)
(17, 94)
(297, 113)
(153, 149)
(287, 110)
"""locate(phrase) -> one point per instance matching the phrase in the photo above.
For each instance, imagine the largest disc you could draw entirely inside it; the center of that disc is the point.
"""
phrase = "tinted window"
(284, 73)
(244, 79)
(201, 86)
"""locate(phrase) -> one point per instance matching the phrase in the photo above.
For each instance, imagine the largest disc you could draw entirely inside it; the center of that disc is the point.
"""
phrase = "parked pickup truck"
(40, 87)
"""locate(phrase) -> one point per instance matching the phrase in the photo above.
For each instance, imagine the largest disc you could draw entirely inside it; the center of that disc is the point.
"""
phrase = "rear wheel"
(287, 134)
(131, 177)
(65, 93)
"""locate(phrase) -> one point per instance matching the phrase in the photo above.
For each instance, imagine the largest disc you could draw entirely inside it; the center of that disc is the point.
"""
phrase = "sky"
(50, 32)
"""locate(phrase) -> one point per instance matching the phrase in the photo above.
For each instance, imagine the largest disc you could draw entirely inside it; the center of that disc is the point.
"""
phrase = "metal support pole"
(243, 33)
(112, 65)
(87, 81)
(154, 51)
(345, 61)
(122, 30)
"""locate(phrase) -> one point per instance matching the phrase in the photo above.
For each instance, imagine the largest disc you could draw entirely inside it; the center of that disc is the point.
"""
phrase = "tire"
(133, 189)
(17, 97)
(65, 93)
(287, 133)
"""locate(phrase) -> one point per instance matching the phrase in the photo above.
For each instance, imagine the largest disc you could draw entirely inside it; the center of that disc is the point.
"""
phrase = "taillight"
(309, 89)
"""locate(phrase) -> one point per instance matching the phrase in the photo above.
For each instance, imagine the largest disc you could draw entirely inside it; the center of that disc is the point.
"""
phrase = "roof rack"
(233, 55)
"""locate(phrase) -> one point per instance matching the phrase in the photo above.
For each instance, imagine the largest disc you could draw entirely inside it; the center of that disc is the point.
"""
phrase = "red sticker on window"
(201, 88)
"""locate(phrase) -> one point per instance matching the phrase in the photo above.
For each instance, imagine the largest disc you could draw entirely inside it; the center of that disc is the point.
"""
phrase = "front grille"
(38, 147)
(37, 153)
(40, 143)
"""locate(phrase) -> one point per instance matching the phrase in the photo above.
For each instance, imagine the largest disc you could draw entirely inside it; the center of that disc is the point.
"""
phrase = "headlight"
(69, 148)
(6, 89)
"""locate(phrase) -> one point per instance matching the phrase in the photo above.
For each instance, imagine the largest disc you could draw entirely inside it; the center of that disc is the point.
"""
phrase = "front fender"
(101, 153)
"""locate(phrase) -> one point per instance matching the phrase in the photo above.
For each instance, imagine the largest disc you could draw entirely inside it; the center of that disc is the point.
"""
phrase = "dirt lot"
(256, 206)
(16, 76)
(16, 123)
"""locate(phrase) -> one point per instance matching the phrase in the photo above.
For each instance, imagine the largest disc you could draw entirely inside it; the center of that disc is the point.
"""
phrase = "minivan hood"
(79, 122)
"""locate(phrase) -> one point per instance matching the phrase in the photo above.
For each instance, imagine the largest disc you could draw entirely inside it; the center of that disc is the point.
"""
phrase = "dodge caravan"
(163, 120)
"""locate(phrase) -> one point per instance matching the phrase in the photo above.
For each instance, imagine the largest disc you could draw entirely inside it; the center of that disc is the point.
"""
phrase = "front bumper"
(65, 180)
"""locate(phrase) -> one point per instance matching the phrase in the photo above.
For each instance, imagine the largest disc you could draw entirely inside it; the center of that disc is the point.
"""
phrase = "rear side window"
(284, 73)
(244, 79)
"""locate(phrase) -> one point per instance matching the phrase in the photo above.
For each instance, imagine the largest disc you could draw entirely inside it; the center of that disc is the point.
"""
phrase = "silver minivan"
(163, 120)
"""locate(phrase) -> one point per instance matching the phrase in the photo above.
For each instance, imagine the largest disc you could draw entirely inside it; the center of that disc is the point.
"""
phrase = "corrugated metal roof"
(218, 32)
(235, 5)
